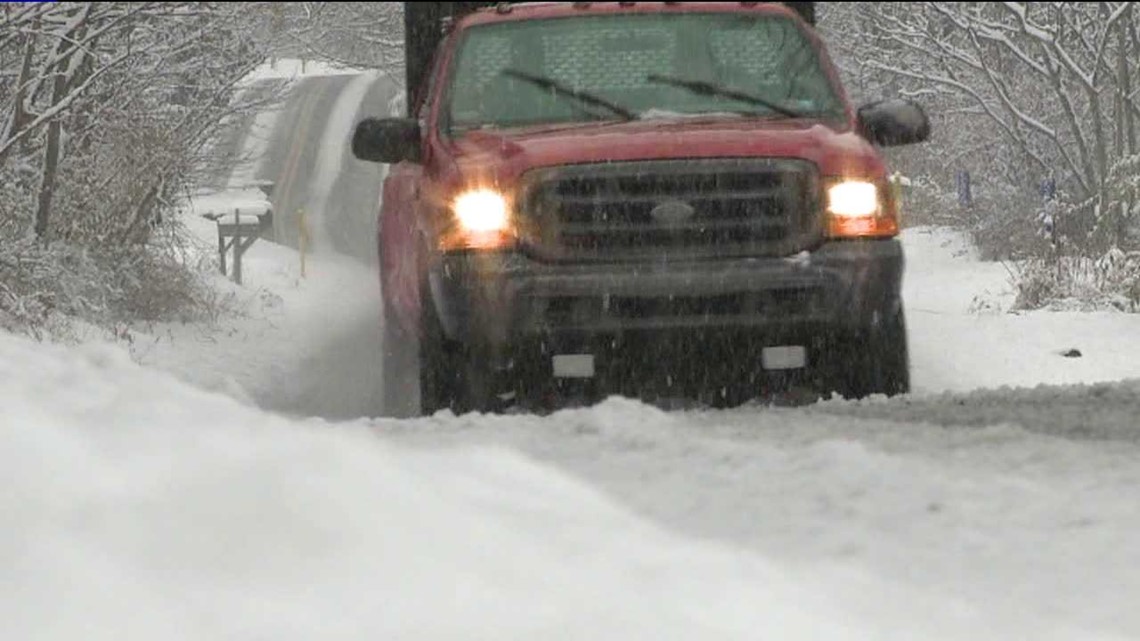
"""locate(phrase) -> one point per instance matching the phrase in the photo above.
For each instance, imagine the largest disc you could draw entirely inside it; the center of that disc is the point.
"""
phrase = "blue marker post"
(1048, 215)
(962, 181)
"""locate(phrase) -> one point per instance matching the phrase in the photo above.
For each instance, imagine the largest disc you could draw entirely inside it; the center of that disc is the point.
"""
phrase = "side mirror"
(893, 122)
(387, 140)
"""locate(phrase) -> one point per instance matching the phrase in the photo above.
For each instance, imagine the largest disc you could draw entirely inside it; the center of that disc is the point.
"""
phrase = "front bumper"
(505, 297)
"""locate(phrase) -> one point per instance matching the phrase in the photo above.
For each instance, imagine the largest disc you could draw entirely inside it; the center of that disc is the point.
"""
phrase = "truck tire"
(455, 376)
(481, 384)
(875, 360)
(400, 359)
(438, 371)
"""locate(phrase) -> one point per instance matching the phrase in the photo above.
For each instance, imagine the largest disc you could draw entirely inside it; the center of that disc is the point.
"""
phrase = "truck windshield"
(608, 67)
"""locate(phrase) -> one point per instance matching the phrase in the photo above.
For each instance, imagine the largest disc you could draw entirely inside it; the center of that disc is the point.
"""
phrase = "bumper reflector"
(573, 365)
(784, 357)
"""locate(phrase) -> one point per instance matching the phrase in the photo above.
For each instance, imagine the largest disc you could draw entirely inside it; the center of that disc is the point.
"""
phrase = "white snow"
(307, 345)
(665, 114)
(239, 216)
(1030, 532)
(147, 509)
(292, 68)
(150, 509)
(963, 337)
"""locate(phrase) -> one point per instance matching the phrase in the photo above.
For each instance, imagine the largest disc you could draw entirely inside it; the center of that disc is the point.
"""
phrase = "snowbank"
(148, 509)
(289, 68)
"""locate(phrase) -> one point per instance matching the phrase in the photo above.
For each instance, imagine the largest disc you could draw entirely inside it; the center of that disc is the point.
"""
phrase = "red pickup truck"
(660, 200)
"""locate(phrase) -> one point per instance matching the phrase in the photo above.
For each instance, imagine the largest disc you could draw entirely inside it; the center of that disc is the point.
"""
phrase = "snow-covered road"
(138, 507)
(1019, 525)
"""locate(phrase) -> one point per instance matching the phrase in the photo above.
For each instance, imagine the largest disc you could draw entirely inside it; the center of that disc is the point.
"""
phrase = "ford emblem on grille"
(672, 212)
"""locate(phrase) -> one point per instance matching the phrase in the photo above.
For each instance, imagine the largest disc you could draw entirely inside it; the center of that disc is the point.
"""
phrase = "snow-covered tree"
(1020, 92)
(364, 35)
(107, 110)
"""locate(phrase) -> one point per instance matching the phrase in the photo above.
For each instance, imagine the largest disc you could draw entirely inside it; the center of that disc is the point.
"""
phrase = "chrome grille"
(672, 209)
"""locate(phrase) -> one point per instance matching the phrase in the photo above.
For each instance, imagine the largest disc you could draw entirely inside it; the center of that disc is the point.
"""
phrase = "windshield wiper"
(706, 88)
(581, 96)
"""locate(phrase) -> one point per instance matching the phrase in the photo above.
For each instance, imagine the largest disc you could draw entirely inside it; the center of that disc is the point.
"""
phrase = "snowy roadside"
(296, 343)
(302, 345)
(963, 338)
(310, 346)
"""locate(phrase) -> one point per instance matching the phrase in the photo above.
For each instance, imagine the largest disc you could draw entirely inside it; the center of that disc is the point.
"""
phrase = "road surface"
(320, 191)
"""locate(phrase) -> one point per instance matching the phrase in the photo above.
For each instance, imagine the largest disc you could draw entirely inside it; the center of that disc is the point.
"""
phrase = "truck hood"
(503, 155)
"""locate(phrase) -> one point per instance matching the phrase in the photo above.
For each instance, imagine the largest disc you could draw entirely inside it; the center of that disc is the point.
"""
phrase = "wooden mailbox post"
(239, 230)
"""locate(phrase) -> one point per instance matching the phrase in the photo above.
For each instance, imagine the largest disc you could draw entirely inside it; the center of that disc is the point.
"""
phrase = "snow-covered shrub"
(1115, 219)
(166, 280)
(39, 284)
(1090, 254)
(41, 287)
(1076, 282)
(1018, 94)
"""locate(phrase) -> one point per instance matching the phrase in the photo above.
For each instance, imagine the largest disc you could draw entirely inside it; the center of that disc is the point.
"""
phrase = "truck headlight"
(859, 209)
(481, 211)
(853, 198)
